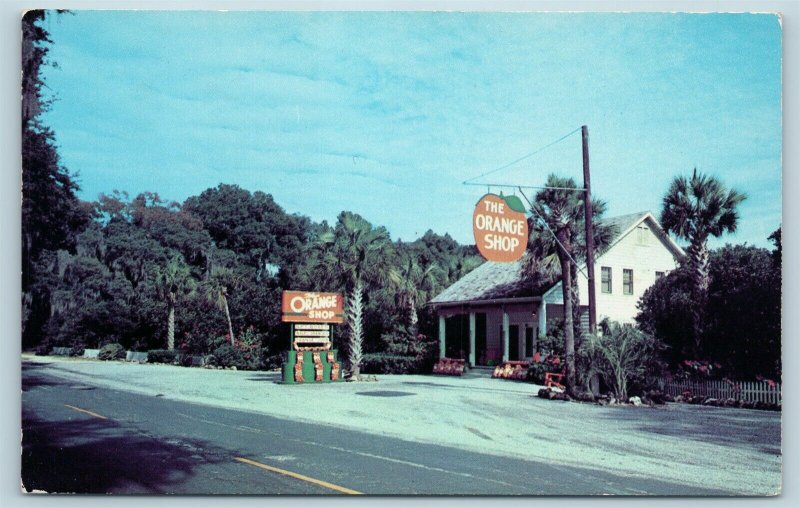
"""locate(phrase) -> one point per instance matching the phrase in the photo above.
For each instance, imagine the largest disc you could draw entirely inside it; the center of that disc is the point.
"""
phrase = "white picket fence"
(749, 391)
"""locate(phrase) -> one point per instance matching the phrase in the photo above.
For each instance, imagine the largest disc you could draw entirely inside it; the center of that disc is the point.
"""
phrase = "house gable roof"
(492, 280)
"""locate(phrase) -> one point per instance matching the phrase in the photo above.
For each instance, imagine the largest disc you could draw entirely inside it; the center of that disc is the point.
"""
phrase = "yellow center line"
(298, 476)
(87, 412)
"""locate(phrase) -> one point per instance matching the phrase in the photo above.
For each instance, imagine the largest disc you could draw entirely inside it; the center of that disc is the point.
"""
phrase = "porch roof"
(487, 282)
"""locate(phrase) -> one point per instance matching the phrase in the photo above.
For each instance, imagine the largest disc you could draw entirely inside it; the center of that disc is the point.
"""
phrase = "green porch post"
(505, 336)
(542, 318)
(471, 339)
(441, 335)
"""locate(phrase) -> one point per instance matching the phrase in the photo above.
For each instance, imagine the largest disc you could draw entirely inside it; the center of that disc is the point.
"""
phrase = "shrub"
(243, 357)
(228, 356)
(161, 356)
(623, 356)
(537, 370)
(272, 362)
(78, 348)
(381, 363)
(113, 351)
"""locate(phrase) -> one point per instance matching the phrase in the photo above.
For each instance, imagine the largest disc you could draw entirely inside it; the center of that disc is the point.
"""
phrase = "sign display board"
(312, 307)
(500, 228)
(312, 333)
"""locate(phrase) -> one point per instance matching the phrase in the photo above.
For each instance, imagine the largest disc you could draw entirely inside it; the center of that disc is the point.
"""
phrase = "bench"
(554, 380)
(450, 367)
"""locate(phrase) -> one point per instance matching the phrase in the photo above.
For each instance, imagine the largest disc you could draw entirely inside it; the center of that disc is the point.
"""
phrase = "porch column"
(441, 335)
(542, 318)
(505, 336)
(471, 339)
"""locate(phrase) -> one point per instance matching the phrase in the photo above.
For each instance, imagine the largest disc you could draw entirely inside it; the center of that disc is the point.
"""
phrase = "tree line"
(152, 274)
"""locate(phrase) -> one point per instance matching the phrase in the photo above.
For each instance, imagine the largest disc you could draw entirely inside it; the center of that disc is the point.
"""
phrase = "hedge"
(381, 363)
(161, 356)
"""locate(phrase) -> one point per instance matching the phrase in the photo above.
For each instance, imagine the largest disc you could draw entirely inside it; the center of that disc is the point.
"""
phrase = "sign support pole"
(589, 231)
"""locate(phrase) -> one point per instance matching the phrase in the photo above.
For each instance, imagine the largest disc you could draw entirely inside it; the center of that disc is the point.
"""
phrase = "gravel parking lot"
(735, 450)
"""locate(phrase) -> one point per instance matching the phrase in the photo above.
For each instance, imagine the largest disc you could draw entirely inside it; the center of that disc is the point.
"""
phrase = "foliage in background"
(695, 209)
(743, 313)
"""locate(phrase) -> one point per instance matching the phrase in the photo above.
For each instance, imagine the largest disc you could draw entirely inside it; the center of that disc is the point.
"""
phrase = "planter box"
(134, 356)
(90, 353)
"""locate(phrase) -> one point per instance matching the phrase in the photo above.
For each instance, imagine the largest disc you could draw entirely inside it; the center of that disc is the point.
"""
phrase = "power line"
(513, 186)
(533, 209)
(562, 138)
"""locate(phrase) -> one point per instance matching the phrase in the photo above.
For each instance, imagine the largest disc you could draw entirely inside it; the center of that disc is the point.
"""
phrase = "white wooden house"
(489, 315)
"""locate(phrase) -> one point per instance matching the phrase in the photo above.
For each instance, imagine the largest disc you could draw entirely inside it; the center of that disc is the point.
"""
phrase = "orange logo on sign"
(311, 307)
(501, 233)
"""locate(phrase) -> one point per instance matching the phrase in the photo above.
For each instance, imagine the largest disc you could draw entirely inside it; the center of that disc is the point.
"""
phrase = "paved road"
(87, 439)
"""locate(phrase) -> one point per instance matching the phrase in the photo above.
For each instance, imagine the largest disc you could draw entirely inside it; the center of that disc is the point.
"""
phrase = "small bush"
(536, 372)
(380, 363)
(272, 362)
(112, 351)
(161, 356)
(624, 357)
(78, 347)
(230, 356)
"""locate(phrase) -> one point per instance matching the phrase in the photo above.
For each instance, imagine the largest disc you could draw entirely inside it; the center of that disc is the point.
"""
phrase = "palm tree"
(360, 253)
(555, 245)
(412, 284)
(217, 287)
(695, 209)
(171, 281)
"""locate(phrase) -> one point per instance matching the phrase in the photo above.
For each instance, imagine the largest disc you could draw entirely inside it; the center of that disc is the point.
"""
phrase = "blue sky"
(385, 114)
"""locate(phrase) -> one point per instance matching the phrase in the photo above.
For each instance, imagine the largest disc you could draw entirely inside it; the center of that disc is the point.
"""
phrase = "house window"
(627, 282)
(659, 275)
(605, 279)
(642, 235)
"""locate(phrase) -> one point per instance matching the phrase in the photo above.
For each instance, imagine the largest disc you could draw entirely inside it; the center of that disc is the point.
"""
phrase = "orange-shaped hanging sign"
(500, 228)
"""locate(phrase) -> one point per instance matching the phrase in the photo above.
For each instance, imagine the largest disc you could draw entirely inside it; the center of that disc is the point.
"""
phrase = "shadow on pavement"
(273, 377)
(31, 380)
(385, 393)
(34, 365)
(760, 430)
(93, 456)
(504, 386)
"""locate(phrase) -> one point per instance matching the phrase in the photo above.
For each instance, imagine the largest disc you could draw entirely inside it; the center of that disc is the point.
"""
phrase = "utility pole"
(589, 231)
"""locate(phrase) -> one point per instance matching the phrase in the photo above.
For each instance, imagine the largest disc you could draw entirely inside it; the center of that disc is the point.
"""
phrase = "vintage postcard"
(401, 253)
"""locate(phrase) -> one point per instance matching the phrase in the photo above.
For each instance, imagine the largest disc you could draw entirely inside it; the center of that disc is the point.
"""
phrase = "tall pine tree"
(51, 213)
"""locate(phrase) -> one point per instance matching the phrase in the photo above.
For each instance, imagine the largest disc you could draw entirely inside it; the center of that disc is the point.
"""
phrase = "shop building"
(493, 315)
